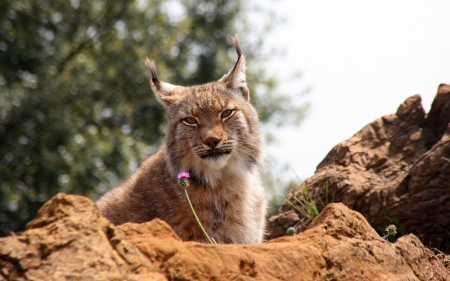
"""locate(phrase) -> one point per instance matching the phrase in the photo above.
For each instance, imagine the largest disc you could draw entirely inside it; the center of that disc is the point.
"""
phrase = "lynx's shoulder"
(212, 133)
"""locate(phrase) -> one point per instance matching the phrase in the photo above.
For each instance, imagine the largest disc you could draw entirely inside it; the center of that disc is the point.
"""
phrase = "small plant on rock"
(390, 232)
(291, 231)
(306, 205)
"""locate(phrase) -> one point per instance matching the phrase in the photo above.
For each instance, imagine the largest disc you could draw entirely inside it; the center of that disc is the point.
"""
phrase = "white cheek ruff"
(244, 123)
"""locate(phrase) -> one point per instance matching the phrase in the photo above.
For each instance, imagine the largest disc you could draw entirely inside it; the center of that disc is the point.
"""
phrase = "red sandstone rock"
(395, 167)
(70, 240)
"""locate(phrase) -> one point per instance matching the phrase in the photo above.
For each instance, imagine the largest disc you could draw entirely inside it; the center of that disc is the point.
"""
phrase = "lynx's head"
(213, 130)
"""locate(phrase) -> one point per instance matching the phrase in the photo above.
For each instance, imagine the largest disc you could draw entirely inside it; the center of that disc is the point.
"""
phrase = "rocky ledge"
(70, 240)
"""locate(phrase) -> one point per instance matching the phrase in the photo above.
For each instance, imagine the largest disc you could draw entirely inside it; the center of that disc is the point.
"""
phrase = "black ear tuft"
(165, 93)
(151, 66)
(237, 47)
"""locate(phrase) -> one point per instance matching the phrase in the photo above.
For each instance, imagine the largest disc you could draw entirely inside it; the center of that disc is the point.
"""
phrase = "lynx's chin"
(216, 160)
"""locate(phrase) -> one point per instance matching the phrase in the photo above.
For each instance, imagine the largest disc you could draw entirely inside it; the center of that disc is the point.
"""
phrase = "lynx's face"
(213, 127)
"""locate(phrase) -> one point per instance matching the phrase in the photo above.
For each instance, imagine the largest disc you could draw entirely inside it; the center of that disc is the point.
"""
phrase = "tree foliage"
(76, 111)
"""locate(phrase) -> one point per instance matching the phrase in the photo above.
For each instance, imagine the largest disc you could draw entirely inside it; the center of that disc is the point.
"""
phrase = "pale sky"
(362, 60)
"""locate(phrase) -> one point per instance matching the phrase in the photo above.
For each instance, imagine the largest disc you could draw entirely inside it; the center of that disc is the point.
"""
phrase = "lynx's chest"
(231, 212)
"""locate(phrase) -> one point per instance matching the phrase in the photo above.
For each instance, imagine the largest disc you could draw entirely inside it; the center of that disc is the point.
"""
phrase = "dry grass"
(442, 257)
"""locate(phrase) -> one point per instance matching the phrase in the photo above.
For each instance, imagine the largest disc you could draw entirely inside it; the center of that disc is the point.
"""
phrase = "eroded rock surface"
(398, 166)
(70, 240)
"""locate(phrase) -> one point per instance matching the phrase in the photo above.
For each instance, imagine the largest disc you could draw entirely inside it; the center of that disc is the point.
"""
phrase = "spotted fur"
(213, 133)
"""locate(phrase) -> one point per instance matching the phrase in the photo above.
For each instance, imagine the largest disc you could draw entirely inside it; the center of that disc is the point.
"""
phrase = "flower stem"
(198, 220)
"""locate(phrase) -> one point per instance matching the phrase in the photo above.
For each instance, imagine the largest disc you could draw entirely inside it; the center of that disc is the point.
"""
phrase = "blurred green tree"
(76, 111)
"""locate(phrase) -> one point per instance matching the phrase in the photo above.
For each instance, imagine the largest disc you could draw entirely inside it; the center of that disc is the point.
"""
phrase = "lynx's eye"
(227, 113)
(191, 121)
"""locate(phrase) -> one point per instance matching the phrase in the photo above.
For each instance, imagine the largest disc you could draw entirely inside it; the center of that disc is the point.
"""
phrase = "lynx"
(213, 133)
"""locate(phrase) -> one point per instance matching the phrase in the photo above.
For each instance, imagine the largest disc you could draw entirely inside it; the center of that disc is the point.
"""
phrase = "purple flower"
(183, 175)
(183, 179)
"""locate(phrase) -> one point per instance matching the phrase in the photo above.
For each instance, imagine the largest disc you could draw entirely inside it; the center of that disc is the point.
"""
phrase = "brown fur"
(221, 151)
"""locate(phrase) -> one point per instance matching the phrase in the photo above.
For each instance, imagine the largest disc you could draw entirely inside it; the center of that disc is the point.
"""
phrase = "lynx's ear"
(166, 93)
(235, 78)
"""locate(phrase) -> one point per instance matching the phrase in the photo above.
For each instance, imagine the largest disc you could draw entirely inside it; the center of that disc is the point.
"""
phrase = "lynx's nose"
(212, 142)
